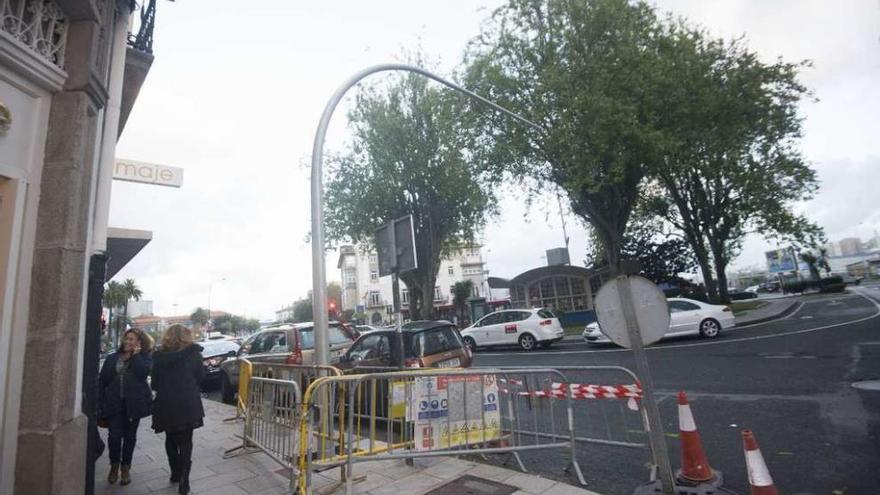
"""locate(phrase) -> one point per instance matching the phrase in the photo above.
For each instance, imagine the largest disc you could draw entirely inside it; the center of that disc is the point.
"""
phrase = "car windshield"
(335, 337)
(433, 341)
(217, 347)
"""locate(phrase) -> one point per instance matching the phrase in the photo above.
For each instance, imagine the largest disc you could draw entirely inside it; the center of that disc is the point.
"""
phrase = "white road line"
(698, 344)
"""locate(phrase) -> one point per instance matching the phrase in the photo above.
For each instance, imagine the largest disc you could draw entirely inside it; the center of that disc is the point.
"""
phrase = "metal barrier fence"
(272, 419)
(431, 412)
(566, 413)
(606, 410)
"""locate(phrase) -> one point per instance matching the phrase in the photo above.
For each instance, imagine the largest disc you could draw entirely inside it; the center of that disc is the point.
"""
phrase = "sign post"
(396, 251)
(616, 305)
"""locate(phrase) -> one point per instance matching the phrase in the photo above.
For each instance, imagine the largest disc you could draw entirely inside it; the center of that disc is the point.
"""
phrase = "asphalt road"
(788, 380)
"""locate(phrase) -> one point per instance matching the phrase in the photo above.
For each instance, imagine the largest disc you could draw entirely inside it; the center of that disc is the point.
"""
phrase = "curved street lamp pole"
(319, 270)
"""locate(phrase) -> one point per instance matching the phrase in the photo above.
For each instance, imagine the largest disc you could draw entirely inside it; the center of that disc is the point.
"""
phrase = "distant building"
(140, 308)
(850, 246)
(364, 292)
(285, 313)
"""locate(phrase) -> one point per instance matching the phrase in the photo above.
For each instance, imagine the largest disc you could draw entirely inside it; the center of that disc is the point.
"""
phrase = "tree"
(812, 262)
(823, 260)
(735, 167)
(462, 291)
(200, 317)
(131, 292)
(114, 297)
(592, 75)
(302, 310)
(662, 254)
(407, 158)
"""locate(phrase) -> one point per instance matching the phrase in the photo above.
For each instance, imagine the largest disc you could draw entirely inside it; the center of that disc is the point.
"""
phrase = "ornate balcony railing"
(143, 21)
(37, 24)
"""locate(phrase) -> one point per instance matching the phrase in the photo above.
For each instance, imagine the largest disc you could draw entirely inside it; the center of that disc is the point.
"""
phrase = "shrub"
(839, 287)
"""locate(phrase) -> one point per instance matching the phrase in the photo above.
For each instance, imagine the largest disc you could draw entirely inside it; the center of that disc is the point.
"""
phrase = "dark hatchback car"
(214, 353)
(428, 344)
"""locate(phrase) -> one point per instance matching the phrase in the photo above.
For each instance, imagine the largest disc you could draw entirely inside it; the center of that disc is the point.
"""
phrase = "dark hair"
(146, 340)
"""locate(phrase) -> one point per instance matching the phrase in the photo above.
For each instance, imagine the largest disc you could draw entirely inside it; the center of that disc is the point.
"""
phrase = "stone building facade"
(70, 71)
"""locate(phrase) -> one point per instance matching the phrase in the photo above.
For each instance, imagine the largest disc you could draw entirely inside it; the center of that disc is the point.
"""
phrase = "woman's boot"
(183, 488)
(114, 473)
(125, 478)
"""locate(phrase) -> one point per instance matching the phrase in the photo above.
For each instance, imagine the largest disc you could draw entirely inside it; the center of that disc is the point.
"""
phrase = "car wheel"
(527, 342)
(227, 393)
(710, 328)
(470, 343)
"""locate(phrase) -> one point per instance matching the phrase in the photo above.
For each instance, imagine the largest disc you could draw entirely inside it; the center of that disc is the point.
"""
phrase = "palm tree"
(131, 291)
(461, 291)
(823, 260)
(812, 262)
(114, 297)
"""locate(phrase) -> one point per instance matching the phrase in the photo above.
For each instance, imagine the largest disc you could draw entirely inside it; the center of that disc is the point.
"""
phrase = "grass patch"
(573, 329)
(742, 307)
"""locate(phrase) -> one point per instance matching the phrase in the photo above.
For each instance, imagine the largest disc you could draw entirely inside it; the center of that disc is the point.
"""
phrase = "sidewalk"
(257, 474)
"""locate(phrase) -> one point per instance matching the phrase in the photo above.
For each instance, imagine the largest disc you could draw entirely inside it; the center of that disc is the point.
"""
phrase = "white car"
(687, 317)
(527, 328)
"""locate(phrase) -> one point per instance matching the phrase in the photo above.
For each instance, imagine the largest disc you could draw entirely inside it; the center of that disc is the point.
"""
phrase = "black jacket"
(177, 377)
(132, 387)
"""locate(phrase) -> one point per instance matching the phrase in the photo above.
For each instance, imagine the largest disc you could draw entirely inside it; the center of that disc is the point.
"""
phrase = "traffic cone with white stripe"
(759, 476)
(695, 467)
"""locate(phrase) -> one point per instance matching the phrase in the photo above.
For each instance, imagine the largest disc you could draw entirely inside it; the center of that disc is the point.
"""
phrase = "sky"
(235, 93)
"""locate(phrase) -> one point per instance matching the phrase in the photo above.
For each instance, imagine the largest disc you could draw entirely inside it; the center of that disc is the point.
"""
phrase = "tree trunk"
(706, 270)
(720, 272)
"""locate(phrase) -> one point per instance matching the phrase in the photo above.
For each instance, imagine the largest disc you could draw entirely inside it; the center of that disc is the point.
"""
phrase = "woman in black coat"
(124, 398)
(177, 409)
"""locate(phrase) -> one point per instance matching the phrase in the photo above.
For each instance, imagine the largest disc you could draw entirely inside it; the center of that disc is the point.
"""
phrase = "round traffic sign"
(652, 312)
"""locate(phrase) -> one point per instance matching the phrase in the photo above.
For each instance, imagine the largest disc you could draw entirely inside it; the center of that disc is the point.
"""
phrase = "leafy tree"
(462, 291)
(593, 76)
(734, 167)
(407, 158)
(302, 310)
(200, 317)
(662, 254)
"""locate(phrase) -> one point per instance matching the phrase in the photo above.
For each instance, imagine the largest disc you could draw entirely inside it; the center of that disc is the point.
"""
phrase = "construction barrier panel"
(432, 412)
(272, 420)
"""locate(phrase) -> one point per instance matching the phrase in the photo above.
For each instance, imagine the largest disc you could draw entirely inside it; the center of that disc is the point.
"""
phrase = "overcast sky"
(235, 94)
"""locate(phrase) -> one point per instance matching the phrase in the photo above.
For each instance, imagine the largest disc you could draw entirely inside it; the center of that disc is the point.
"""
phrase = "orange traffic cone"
(759, 476)
(694, 465)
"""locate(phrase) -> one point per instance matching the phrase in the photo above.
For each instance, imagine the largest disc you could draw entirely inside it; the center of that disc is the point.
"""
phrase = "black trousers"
(179, 447)
(122, 437)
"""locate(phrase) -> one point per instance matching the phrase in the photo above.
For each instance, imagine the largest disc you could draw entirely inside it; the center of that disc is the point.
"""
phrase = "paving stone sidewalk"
(257, 474)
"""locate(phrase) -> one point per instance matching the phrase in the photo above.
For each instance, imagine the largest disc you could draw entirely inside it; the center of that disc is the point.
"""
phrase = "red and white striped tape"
(579, 391)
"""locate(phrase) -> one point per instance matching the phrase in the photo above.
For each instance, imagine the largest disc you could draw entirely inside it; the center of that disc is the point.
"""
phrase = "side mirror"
(232, 353)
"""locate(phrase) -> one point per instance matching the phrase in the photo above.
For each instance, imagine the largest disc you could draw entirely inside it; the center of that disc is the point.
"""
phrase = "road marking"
(790, 314)
(728, 341)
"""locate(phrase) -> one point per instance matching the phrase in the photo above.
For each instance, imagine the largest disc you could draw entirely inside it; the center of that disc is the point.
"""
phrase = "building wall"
(850, 246)
(361, 284)
(58, 115)
(27, 83)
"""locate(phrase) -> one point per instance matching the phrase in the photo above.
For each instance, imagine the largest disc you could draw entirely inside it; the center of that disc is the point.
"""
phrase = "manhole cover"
(471, 485)
(873, 385)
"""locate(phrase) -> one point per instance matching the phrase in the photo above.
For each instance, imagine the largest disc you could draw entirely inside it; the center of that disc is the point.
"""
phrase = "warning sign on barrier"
(450, 411)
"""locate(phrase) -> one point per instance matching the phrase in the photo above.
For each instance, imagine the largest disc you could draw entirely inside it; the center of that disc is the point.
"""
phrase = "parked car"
(753, 288)
(282, 344)
(740, 295)
(687, 317)
(214, 353)
(527, 328)
(428, 344)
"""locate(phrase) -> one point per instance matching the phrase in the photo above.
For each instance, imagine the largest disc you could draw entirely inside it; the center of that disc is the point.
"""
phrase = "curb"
(792, 307)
